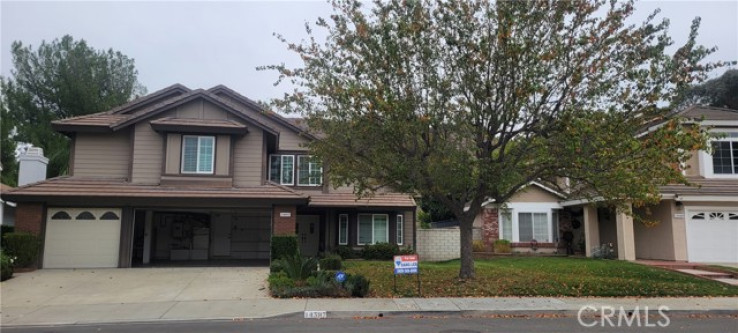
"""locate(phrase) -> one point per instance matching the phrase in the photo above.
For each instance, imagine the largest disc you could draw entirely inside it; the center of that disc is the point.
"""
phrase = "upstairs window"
(310, 171)
(198, 154)
(725, 156)
(281, 169)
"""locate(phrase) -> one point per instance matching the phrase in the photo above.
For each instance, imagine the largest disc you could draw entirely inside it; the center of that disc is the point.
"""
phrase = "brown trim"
(198, 129)
(131, 155)
(264, 159)
(165, 155)
(40, 260)
(545, 245)
(125, 247)
(232, 157)
(72, 155)
(203, 175)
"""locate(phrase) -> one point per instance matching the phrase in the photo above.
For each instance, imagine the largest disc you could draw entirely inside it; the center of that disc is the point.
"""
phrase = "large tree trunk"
(467, 258)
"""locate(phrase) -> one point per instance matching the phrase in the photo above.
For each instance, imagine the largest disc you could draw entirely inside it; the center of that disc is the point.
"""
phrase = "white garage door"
(712, 236)
(82, 238)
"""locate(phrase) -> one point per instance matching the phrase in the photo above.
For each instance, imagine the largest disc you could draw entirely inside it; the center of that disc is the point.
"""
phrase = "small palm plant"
(297, 267)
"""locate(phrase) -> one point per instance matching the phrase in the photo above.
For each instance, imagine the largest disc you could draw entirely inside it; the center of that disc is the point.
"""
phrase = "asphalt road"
(677, 323)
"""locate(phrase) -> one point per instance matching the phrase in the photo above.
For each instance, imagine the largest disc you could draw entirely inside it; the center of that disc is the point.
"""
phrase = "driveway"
(53, 287)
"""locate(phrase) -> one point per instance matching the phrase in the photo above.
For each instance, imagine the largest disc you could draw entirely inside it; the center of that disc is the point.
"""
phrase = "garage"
(712, 236)
(82, 237)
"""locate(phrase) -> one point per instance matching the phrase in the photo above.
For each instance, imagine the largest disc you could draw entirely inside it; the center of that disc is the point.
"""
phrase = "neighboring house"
(186, 174)
(7, 208)
(696, 223)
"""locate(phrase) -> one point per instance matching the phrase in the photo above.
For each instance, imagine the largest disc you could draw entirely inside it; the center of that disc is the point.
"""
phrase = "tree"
(464, 101)
(720, 92)
(7, 147)
(61, 79)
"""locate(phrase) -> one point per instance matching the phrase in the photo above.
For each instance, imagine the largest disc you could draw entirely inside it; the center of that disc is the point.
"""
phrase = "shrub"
(406, 250)
(6, 266)
(275, 266)
(331, 262)
(357, 285)
(478, 246)
(502, 246)
(347, 252)
(23, 246)
(380, 251)
(284, 246)
(297, 267)
(6, 229)
(279, 281)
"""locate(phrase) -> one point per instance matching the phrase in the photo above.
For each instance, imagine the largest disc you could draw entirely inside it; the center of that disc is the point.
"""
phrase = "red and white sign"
(406, 264)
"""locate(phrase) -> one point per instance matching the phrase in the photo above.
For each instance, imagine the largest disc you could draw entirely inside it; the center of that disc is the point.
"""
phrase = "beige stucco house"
(187, 175)
(697, 223)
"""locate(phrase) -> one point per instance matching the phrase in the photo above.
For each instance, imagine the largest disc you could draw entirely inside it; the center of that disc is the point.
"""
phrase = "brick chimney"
(32, 166)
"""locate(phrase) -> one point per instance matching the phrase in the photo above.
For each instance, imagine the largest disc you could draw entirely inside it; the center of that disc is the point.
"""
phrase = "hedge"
(284, 246)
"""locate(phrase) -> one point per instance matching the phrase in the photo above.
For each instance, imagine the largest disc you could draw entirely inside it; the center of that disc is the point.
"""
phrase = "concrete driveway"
(159, 287)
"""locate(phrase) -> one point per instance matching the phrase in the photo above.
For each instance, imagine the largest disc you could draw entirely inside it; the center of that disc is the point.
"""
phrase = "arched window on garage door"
(85, 216)
(109, 216)
(61, 215)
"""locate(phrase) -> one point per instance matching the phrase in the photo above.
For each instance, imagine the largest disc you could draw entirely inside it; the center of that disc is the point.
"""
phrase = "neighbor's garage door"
(82, 238)
(712, 236)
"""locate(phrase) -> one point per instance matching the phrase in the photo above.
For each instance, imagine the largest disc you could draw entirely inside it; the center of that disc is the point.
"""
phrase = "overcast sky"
(202, 44)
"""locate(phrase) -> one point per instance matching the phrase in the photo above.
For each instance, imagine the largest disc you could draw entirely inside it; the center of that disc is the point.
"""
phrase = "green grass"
(539, 277)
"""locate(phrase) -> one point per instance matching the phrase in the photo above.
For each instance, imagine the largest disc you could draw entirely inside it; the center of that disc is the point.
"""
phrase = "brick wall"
(29, 217)
(490, 228)
(438, 244)
(284, 225)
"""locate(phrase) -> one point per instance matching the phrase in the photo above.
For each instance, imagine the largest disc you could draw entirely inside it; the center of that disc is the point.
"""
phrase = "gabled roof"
(709, 115)
(122, 117)
(298, 126)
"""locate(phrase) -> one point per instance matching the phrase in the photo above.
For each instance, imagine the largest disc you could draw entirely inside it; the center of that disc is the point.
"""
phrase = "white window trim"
(538, 207)
(705, 159)
(358, 229)
(197, 165)
(281, 165)
(400, 230)
(342, 228)
(299, 158)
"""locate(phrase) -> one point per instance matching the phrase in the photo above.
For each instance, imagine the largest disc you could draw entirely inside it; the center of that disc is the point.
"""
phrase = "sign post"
(406, 264)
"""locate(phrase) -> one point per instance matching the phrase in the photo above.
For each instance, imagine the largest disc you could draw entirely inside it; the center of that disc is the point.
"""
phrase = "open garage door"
(712, 236)
(82, 238)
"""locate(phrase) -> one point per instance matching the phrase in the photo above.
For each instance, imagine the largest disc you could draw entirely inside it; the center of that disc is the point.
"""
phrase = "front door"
(221, 242)
(308, 234)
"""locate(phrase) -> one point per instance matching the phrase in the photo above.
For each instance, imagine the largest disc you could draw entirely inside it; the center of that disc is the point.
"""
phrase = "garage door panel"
(712, 236)
(76, 243)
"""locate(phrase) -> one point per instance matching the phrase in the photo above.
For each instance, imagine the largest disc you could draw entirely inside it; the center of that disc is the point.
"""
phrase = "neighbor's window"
(198, 154)
(526, 226)
(725, 155)
(373, 229)
(400, 228)
(309, 171)
(281, 169)
(343, 229)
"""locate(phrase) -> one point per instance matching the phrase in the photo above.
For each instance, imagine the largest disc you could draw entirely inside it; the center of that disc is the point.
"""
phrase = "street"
(447, 324)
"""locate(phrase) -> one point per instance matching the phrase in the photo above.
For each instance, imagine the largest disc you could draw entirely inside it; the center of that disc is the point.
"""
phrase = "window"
(62, 215)
(309, 171)
(281, 169)
(343, 229)
(506, 221)
(198, 154)
(109, 216)
(85, 216)
(725, 155)
(525, 226)
(373, 229)
(400, 228)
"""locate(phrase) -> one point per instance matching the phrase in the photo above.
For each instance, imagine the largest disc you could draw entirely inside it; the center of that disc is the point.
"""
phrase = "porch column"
(591, 229)
(490, 228)
(284, 220)
(29, 217)
(626, 237)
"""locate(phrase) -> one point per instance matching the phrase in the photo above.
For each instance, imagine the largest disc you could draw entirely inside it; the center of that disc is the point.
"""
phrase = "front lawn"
(538, 277)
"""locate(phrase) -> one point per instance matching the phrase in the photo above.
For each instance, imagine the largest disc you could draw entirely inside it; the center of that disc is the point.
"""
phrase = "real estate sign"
(406, 264)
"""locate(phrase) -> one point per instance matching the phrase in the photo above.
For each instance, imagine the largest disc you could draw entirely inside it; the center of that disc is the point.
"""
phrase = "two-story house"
(696, 223)
(182, 175)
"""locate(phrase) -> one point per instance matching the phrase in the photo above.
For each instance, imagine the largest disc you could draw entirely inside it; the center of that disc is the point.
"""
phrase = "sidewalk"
(335, 308)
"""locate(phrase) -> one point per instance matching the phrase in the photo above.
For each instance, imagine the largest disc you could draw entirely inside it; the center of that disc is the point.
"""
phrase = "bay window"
(526, 224)
(725, 155)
